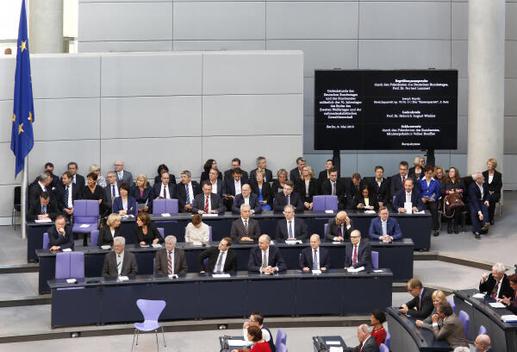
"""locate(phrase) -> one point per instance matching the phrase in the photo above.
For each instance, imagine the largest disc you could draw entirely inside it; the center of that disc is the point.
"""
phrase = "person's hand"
(347, 221)
(425, 199)
(246, 239)
(202, 272)
(69, 211)
(381, 204)
(55, 248)
(188, 207)
(360, 206)
(403, 309)
(307, 205)
(486, 203)
(435, 318)
(310, 206)
(142, 243)
(306, 269)
(201, 212)
(122, 212)
(339, 239)
(415, 209)
(481, 217)
(419, 323)
(156, 240)
(100, 201)
(402, 210)
(505, 300)
(323, 268)
(484, 277)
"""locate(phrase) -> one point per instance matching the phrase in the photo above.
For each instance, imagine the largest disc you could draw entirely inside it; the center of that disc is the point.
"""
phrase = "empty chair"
(86, 216)
(62, 265)
(76, 265)
(450, 299)
(161, 206)
(281, 341)
(465, 320)
(45, 240)
(482, 330)
(387, 341)
(323, 203)
(151, 310)
(375, 259)
(94, 237)
(383, 348)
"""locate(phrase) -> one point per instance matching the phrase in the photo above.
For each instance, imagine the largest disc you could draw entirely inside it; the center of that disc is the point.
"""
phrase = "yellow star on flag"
(23, 45)
(13, 118)
(20, 128)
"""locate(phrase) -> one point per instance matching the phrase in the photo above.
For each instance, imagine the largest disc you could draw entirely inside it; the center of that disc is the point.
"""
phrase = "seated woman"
(262, 189)
(196, 231)
(278, 183)
(364, 202)
(124, 204)
(93, 191)
(258, 343)
(430, 191)
(511, 302)
(141, 191)
(377, 318)
(307, 187)
(438, 297)
(146, 233)
(110, 231)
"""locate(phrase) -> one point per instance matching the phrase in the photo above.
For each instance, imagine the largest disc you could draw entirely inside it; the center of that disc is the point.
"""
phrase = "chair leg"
(137, 337)
(163, 335)
(133, 342)
(157, 344)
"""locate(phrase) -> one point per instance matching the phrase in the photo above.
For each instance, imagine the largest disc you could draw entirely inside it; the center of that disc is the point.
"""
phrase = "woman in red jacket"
(255, 336)
(378, 333)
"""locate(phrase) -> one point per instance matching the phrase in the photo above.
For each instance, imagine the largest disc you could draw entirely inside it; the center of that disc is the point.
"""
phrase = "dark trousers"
(474, 217)
(433, 209)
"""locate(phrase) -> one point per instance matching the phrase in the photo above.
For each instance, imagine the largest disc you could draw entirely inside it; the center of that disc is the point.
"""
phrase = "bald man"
(482, 343)
(265, 259)
(246, 197)
(339, 228)
(366, 341)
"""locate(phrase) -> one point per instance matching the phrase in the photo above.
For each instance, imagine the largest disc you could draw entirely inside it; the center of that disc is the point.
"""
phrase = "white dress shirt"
(237, 186)
(167, 191)
(69, 200)
(120, 262)
(214, 187)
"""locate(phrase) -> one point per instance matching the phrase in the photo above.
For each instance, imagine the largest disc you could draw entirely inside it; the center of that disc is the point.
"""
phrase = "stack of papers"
(316, 272)
(71, 281)
(355, 270)
(497, 305)
(238, 343)
(106, 246)
(291, 242)
(221, 276)
(123, 278)
(157, 245)
(479, 295)
(510, 318)
(41, 221)
(210, 215)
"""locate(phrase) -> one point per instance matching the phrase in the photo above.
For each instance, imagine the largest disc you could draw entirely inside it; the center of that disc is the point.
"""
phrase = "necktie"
(43, 209)
(165, 191)
(315, 261)
(288, 200)
(113, 191)
(333, 188)
(120, 175)
(264, 259)
(246, 226)
(354, 256)
(290, 229)
(188, 194)
(219, 264)
(119, 264)
(170, 270)
(66, 197)
(206, 204)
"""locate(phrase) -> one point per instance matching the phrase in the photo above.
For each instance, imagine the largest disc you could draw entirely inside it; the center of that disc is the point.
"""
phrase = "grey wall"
(177, 108)
(347, 34)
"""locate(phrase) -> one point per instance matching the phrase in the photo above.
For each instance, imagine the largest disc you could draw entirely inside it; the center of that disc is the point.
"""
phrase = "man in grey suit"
(290, 228)
(123, 176)
(170, 260)
(366, 341)
(119, 262)
(111, 189)
(451, 329)
(245, 229)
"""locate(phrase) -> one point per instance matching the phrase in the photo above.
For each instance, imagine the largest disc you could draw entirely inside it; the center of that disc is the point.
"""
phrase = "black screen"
(397, 109)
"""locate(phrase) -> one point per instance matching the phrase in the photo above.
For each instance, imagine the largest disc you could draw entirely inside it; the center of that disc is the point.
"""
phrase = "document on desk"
(497, 305)
(292, 242)
(335, 349)
(333, 343)
(106, 246)
(210, 215)
(238, 343)
(67, 249)
(221, 276)
(355, 270)
(369, 211)
(42, 221)
(84, 226)
(478, 295)
(510, 318)
(329, 211)
(123, 278)
(316, 272)
(156, 245)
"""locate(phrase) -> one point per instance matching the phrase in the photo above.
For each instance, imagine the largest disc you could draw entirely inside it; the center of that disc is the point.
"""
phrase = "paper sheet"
(123, 278)
(333, 343)
(67, 249)
(210, 215)
(479, 296)
(84, 226)
(316, 272)
(510, 318)
(291, 242)
(355, 270)
(165, 215)
(71, 281)
(238, 343)
(106, 246)
(335, 349)
(221, 276)
(42, 221)
(157, 245)
(497, 305)
(329, 211)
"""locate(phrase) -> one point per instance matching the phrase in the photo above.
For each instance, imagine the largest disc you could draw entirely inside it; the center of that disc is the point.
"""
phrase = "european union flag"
(22, 136)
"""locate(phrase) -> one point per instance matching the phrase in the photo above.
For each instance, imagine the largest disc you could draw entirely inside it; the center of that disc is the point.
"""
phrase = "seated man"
(233, 187)
(123, 176)
(111, 190)
(335, 187)
(325, 174)
(119, 262)
(245, 229)
(236, 164)
(207, 202)
(164, 189)
(265, 259)
(220, 259)
(46, 209)
(257, 319)
(170, 260)
(60, 235)
(408, 194)
(451, 329)
(290, 228)
(287, 196)
(496, 285)
(366, 341)
(358, 252)
(262, 165)
(187, 190)
(314, 257)
(339, 228)
(384, 228)
(482, 343)
(296, 173)
(380, 187)
(421, 306)
(246, 197)
(67, 193)
(40, 185)
(478, 204)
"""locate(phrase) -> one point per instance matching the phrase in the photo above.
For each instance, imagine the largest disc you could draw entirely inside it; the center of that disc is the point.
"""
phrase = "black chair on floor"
(17, 205)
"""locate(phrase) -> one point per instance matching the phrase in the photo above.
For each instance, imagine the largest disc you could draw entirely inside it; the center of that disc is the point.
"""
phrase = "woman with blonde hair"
(438, 298)
(494, 182)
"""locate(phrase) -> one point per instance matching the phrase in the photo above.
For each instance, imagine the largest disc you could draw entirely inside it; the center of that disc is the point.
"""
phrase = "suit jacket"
(300, 230)
(158, 186)
(280, 202)
(267, 192)
(306, 258)
(35, 210)
(326, 189)
(182, 193)
(393, 229)
(475, 199)
(146, 195)
(35, 191)
(60, 195)
(208, 260)
(129, 267)
(244, 177)
(132, 208)
(161, 262)
(239, 231)
(239, 200)
(313, 189)
(216, 202)
(55, 239)
(333, 229)
(421, 310)
(379, 193)
(400, 199)
(452, 332)
(105, 237)
(229, 185)
(495, 186)
(80, 182)
(294, 175)
(274, 259)
(369, 345)
(396, 184)
(158, 179)
(364, 255)
(268, 175)
(127, 178)
(489, 284)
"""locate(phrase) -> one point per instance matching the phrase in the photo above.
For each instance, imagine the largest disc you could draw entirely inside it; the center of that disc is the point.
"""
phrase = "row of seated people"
(425, 189)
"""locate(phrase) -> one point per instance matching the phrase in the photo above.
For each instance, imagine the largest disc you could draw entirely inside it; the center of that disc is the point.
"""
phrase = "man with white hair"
(482, 343)
(496, 284)
(170, 260)
(478, 204)
(366, 341)
(119, 262)
(245, 229)
(265, 259)
(246, 197)
(123, 176)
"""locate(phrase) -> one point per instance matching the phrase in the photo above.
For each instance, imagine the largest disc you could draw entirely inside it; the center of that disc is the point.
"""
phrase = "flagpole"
(24, 198)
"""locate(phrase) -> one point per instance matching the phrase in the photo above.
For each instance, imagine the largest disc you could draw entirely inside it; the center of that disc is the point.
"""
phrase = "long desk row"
(99, 301)
(416, 226)
(396, 256)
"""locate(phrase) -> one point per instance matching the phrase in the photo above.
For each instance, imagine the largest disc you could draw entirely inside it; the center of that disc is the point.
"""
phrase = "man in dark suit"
(262, 165)
(119, 262)
(325, 174)
(478, 204)
(353, 190)
(451, 329)
(111, 190)
(187, 190)
(60, 235)
(397, 181)
(366, 341)
(245, 229)
(46, 209)
(287, 196)
(336, 187)
(246, 197)
(216, 182)
(358, 252)
(296, 174)
(496, 284)
(384, 228)
(421, 306)
(49, 169)
(40, 185)
(123, 176)
(67, 193)
(408, 194)
(236, 164)
(208, 202)
(164, 189)
(290, 228)
(170, 260)
(339, 228)
(220, 259)
(233, 187)
(76, 178)
(379, 186)
(314, 257)
(265, 259)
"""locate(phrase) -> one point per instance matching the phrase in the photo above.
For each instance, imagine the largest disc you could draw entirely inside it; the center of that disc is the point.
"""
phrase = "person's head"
(49, 167)
(355, 237)
(482, 343)
(403, 168)
(261, 162)
(498, 270)
(236, 163)
(186, 177)
(210, 164)
(162, 168)
(143, 219)
(264, 241)
(414, 286)
(315, 241)
(300, 163)
(8, 51)
(45, 179)
(237, 174)
(444, 310)
(213, 174)
(453, 173)
(365, 192)
(66, 178)
(333, 175)
(379, 172)
(513, 282)
(197, 220)
(245, 211)
(165, 178)
(123, 190)
(356, 179)
(438, 298)
(281, 175)
(307, 171)
(225, 244)
(256, 319)
(111, 177)
(362, 332)
(207, 188)
(91, 179)
(60, 222)
(260, 175)
(288, 188)
(341, 217)
(113, 220)
(329, 164)
(246, 190)
(119, 243)
(429, 172)
(491, 164)
(72, 167)
(170, 242)
(118, 165)
(96, 169)
(408, 185)
(44, 198)
(377, 317)
(418, 161)
(141, 181)
(254, 334)
(438, 172)
(288, 212)
(384, 213)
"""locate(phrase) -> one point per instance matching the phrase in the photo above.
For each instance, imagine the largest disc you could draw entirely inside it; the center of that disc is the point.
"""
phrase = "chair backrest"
(94, 237)
(450, 299)
(209, 233)
(465, 320)
(161, 206)
(86, 211)
(281, 341)
(375, 259)
(161, 230)
(17, 198)
(325, 229)
(482, 330)
(76, 265)
(322, 203)
(383, 348)
(45, 240)
(387, 340)
(151, 309)
(63, 265)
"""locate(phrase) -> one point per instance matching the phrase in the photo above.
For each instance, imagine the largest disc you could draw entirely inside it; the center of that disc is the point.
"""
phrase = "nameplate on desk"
(67, 249)
(122, 278)
(84, 226)
(165, 215)
(71, 281)
(174, 276)
(156, 245)
(210, 215)
(329, 211)
(316, 272)
(221, 276)
(42, 221)
(496, 305)
(369, 211)
(335, 349)
(292, 242)
(510, 318)
(105, 246)
(355, 270)
(478, 295)
(238, 343)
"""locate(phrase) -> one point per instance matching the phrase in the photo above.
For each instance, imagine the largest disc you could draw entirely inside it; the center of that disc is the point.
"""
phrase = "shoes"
(456, 229)
(491, 222)
(484, 229)
(477, 235)
(449, 227)
(436, 233)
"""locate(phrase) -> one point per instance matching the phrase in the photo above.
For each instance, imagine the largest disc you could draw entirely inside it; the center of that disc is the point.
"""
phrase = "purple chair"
(209, 233)
(94, 238)
(76, 265)
(482, 330)
(151, 310)
(281, 341)
(375, 259)
(45, 240)
(161, 230)
(322, 203)
(62, 265)
(86, 212)
(450, 299)
(383, 348)
(465, 320)
(387, 341)
(161, 206)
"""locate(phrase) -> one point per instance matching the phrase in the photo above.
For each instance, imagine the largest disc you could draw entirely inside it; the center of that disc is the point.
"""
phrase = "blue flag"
(22, 136)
